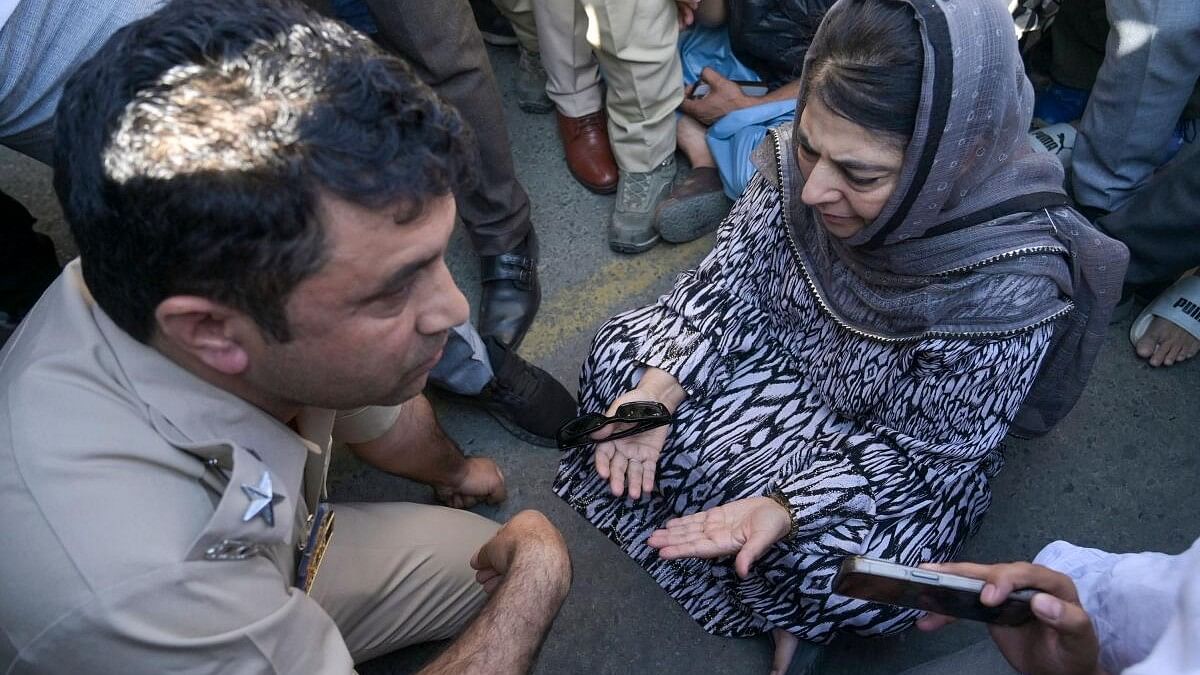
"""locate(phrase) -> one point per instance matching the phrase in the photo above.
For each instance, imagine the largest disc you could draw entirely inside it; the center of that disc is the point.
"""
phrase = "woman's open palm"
(631, 461)
(747, 527)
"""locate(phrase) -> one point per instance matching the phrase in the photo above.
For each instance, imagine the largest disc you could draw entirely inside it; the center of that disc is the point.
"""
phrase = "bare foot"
(1166, 344)
(690, 137)
(785, 649)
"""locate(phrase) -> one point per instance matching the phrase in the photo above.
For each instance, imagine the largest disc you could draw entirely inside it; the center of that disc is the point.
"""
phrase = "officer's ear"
(213, 333)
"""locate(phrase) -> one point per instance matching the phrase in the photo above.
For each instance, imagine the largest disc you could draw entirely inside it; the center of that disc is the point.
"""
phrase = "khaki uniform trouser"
(634, 43)
(398, 574)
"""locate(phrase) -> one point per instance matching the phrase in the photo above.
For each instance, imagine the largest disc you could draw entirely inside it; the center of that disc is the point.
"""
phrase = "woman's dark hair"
(867, 63)
(191, 152)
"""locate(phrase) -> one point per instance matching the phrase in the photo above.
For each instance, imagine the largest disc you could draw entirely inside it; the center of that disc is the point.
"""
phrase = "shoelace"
(635, 191)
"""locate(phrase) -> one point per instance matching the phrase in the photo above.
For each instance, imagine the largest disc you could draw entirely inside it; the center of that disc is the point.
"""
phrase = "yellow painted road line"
(585, 305)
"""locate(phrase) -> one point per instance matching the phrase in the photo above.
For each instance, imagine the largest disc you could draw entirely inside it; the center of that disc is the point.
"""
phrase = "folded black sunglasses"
(644, 415)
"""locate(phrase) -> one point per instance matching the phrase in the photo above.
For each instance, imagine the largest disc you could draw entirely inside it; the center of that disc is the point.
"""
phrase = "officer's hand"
(527, 541)
(1059, 641)
(479, 480)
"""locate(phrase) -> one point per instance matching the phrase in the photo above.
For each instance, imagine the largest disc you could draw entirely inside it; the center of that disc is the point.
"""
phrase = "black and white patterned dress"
(883, 449)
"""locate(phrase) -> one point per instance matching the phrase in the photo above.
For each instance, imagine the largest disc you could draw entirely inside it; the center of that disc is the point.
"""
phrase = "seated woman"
(901, 276)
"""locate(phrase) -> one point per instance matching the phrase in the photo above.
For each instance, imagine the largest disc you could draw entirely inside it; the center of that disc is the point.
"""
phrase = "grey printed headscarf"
(978, 240)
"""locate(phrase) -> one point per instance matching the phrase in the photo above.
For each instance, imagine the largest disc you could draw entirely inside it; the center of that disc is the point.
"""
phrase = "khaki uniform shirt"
(124, 544)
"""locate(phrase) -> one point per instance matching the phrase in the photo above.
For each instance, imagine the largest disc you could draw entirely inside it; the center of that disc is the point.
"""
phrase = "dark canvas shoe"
(524, 399)
(8, 326)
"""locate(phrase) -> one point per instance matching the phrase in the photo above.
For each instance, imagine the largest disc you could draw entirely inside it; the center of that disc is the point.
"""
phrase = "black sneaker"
(524, 399)
(495, 29)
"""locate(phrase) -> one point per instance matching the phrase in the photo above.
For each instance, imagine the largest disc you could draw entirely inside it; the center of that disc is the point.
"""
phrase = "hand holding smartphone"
(938, 592)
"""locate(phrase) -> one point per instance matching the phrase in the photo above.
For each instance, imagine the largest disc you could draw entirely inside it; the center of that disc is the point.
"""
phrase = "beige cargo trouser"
(634, 43)
(397, 574)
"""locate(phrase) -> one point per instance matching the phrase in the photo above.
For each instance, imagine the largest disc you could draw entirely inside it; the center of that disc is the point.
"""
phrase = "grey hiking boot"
(631, 227)
(531, 84)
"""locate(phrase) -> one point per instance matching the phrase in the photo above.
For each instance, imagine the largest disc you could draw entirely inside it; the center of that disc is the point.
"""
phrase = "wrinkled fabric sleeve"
(1140, 604)
(712, 312)
(926, 442)
(194, 617)
(361, 425)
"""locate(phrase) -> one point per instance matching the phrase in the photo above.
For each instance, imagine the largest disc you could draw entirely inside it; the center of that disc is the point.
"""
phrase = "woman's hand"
(632, 461)
(747, 527)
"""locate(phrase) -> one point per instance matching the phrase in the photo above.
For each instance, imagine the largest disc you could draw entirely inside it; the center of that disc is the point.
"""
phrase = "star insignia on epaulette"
(262, 500)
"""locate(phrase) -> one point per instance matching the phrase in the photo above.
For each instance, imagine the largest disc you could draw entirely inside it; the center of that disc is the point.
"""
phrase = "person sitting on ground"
(1098, 612)
(45, 40)
(262, 199)
(1127, 71)
(901, 283)
(770, 37)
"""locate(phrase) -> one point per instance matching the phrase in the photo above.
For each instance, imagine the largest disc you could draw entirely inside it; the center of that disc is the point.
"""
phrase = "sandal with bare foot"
(1168, 330)
(794, 656)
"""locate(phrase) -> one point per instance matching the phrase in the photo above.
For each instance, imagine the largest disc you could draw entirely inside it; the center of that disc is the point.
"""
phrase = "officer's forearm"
(415, 447)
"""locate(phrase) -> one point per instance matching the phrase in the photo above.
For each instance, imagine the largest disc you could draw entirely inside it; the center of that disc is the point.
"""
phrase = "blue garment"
(734, 137)
(701, 47)
(465, 367)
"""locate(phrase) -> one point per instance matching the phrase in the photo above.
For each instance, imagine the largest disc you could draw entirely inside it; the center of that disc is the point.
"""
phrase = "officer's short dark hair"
(191, 149)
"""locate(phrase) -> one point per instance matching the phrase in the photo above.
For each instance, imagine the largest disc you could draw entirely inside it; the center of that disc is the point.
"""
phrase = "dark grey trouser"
(1141, 84)
(981, 658)
(439, 38)
(1161, 222)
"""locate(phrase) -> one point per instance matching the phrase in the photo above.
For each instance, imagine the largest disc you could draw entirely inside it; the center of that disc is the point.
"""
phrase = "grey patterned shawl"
(978, 241)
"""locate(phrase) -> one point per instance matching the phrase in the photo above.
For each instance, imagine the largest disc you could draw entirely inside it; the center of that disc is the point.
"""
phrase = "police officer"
(262, 200)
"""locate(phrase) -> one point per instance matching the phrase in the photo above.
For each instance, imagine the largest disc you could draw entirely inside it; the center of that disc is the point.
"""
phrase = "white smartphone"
(938, 592)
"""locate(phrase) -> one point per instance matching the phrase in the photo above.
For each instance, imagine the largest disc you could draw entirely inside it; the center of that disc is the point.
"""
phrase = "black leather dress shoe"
(511, 292)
